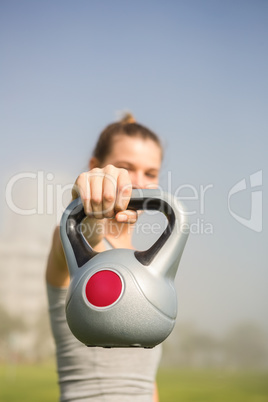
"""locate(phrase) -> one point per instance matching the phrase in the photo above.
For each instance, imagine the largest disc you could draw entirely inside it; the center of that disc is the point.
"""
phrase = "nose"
(137, 180)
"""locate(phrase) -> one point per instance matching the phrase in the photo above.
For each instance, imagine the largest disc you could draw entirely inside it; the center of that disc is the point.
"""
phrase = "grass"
(212, 385)
(38, 383)
(28, 383)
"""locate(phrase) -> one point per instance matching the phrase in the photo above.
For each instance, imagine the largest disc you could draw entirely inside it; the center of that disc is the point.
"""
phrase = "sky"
(193, 71)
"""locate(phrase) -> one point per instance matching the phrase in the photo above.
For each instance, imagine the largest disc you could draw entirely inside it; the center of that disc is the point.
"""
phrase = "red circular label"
(103, 288)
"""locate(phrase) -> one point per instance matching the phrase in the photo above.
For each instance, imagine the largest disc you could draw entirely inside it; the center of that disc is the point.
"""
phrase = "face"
(141, 157)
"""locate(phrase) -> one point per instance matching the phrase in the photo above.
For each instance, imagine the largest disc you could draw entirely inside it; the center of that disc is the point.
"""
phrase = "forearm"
(93, 230)
(56, 270)
(57, 273)
(155, 396)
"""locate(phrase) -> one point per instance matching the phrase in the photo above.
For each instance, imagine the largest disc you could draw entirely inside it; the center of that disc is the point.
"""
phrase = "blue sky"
(193, 71)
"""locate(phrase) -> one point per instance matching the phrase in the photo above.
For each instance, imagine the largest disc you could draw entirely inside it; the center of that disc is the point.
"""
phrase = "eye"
(152, 175)
(123, 166)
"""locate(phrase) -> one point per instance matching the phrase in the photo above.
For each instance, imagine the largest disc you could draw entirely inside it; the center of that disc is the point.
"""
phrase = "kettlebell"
(122, 297)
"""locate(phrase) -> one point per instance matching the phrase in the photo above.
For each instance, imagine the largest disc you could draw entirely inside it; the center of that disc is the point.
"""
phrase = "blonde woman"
(127, 155)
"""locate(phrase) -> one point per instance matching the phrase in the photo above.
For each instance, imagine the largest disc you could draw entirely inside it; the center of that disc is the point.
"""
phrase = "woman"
(127, 155)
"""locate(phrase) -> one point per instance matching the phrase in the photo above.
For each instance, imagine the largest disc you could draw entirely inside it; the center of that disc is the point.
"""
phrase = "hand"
(105, 193)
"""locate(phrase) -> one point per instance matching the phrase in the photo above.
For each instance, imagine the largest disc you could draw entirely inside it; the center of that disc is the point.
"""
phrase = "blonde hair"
(126, 126)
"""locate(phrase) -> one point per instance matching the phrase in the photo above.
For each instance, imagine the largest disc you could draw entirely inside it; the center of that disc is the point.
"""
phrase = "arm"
(155, 396)
(105, 193)
(57, 271)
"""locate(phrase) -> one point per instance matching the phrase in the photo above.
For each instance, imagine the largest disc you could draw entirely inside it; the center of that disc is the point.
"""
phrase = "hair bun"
(127, 118)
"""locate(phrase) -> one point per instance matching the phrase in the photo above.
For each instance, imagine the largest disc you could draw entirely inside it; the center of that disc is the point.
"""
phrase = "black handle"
(84, 252)
(146, 257)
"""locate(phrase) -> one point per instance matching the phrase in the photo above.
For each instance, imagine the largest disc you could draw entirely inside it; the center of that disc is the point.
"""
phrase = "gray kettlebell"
(122, 297)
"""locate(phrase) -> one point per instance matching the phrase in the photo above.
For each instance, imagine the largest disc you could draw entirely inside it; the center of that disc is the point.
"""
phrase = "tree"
(10, 326)
(246, 346)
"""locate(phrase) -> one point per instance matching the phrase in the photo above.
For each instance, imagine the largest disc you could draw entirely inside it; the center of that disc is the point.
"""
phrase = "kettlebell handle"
(141, 199)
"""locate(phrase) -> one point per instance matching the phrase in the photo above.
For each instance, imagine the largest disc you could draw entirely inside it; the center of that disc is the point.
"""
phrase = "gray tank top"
(99, 374)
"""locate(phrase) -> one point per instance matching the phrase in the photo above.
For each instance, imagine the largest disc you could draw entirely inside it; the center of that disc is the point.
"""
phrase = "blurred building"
(24, 246)
(22, 264)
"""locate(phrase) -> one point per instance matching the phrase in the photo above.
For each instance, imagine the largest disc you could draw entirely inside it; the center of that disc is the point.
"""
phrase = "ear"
(93, 163)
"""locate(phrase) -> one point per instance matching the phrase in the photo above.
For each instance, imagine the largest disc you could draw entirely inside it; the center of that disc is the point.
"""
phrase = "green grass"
(38, 383)
(212, 385)
(28, 383)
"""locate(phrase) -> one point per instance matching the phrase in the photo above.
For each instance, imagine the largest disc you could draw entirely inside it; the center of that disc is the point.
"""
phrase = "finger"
(124, 189)
(82, 188)
(128, 216)
(109, 193)
(96, 186)
(75, 191)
